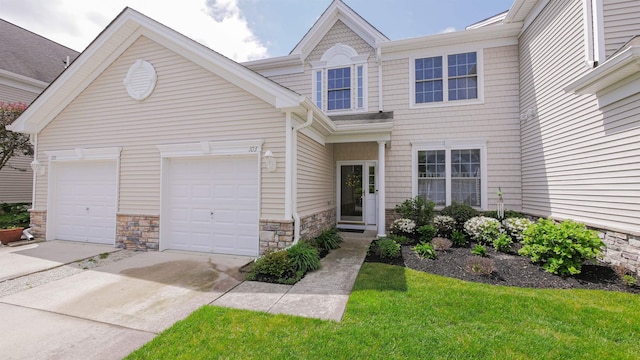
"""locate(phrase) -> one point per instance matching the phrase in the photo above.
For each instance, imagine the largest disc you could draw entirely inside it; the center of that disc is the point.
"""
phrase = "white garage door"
(84, 201)
(213, 205)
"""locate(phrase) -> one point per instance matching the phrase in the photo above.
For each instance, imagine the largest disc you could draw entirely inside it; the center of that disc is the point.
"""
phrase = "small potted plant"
(13, 219)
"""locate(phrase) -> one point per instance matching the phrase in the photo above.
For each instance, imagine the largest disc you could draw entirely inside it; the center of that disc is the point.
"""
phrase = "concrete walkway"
(321, 294)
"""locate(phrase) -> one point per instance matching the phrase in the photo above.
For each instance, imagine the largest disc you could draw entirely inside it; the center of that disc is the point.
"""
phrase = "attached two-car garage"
(208, 203)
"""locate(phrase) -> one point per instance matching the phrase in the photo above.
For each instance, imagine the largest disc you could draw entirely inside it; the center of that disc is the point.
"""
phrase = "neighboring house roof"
(123, 31)
(31, 55)
(338, 11)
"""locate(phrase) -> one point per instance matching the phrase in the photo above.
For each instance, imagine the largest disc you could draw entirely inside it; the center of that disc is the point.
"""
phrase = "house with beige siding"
(28, 63)
(151, 140)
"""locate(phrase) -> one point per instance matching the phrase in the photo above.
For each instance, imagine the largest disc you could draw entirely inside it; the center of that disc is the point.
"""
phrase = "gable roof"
(31, 55)
(338, 11)
(121, 33)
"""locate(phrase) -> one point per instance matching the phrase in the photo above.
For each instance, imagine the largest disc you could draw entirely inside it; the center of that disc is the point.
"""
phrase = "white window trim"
(337, 57)
(448, 145)
(445, 80)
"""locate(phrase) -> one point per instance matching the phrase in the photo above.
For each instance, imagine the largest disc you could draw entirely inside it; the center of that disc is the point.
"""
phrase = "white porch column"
(381, 188)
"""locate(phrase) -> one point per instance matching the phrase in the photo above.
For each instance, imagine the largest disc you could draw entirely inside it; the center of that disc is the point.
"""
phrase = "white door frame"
(364, 224)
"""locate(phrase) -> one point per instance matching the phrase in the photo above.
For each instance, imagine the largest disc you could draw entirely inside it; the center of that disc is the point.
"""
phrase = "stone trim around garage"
(137, 232)
(38, 224)
(275, 234)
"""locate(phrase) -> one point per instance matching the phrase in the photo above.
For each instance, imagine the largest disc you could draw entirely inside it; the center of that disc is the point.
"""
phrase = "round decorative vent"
(141, 80)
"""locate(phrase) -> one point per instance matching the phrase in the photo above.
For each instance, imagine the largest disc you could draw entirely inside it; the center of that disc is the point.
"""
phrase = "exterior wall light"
(269, 161)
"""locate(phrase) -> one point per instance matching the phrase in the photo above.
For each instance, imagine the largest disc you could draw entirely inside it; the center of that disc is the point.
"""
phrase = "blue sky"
(399, 19)
(243, 29)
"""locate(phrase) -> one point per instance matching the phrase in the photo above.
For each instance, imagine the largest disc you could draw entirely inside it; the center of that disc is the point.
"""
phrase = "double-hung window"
(450, 174)
(339, 89)
(442, 79)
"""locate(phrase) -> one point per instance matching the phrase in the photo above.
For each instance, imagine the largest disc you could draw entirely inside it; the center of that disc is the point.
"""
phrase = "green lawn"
(398, 313)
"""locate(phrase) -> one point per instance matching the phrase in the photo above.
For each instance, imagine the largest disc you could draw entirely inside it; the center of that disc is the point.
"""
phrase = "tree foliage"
(12, 143)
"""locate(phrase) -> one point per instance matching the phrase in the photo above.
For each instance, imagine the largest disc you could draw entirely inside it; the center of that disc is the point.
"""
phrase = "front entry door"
(357, 195)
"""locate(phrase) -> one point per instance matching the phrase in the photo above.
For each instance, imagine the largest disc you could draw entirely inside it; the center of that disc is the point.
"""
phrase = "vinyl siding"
(496, 120)
(316, 176)
(12, 94)
(621, 23)
(577, 161)
(15, 185)
(188, 105)
(356, 151)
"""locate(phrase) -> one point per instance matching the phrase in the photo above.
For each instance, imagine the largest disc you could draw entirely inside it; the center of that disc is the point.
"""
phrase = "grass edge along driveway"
(400, 313)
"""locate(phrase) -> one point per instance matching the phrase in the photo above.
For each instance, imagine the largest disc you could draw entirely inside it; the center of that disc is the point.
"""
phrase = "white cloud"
(448, 30)
(218, 24)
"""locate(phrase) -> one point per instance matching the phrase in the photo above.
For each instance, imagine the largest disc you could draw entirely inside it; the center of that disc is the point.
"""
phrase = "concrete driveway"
(112, 310)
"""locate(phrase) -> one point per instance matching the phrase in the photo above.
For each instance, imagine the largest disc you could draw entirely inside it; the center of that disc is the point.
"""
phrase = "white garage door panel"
(214, 204)
(84, 201)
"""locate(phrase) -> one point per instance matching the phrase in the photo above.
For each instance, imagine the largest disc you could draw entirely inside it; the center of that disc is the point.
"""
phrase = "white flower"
(404, 225)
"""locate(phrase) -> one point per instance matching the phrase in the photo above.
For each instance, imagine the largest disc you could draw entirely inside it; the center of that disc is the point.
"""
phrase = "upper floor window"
(339, 80)
(441, 79)
(339, 89)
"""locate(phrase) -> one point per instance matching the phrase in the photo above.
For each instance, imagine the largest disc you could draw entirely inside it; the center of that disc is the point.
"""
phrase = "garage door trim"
(204, 149)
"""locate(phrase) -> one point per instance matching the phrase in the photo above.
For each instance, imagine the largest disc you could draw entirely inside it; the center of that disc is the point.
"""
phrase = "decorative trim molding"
(241, 147)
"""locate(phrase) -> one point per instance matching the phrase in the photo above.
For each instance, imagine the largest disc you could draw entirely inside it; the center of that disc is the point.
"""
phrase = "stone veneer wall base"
(38, 224)
(137, 232)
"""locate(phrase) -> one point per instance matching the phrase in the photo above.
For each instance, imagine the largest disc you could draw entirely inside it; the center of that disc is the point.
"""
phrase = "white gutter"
(294, 170)
(379, 61)
(288, 177)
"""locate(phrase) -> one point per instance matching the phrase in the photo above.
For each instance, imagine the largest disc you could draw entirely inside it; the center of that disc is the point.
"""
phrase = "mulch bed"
(510, 270)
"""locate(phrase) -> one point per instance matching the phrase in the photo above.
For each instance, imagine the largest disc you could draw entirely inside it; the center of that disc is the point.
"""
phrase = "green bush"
(14, 215)
(387, 248)
(459, 238)
(630, 280)
(482, 229)
(275, 266)
(503, 243)
(425, 250)
(328, 240)
(479, 250)
(416, 209)
(445, 225)
(304, 257)
(400, 239)
(427, 232)
(508, 214)
(563, 247)
(460, 212)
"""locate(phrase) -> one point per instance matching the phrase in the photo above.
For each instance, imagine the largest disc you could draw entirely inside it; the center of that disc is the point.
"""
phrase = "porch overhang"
(365, 132)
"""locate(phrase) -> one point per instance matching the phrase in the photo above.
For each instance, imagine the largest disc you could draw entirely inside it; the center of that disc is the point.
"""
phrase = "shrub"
(508, 214)
(403, 226)
(274, 266)
(444, 225)
(479, 250)
(460, 212)
(459, 238)
(329, 239)
(441, 244)
(14, 215)
(479, 266)
(483, 229)
(629, 280)
(402, 240)
(427, 232)
(515, 227)
(416, 209)
(388, 248)
(425, 250)
(502, 243)
(563, 247)
(304, 257)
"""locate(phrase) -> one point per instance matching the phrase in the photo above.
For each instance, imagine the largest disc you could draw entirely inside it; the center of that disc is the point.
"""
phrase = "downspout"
(294, 179)
(33, 139)
(379, 61)
(288, 176)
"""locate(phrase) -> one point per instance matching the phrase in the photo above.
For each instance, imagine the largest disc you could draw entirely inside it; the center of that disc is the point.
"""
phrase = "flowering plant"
(444, 224)
(483, 229)
(406, 226)
(12, 143)
(516, 226)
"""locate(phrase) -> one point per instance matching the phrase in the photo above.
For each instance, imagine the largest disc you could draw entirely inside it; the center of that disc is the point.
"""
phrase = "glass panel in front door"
(351, 192)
